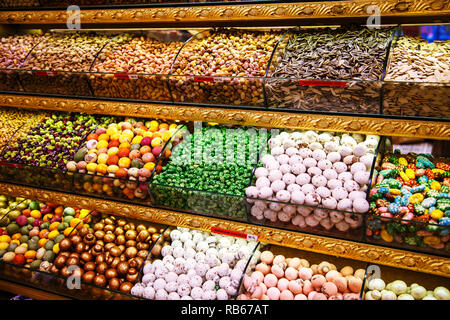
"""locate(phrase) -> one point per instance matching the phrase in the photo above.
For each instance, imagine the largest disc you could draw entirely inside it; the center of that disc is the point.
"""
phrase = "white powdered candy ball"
(283, 159)
(297, 136)
(177, 252)
(175, 234)
(290, 210)
(319, 154)
(351, 185)
(183, 279)
(202, 246)
(185, 236)
(308, 188)
(225, 242)
(324, 164)
(138, 290)
(278, 185)
(231, 290)
(285, 168)
(227, 258)
(283, 216)
(211, 262)
(289, 143)
(157, 264)
(171, 277)
(191, 262)
(304, 211)
(339, 167)
(345, 205)
(315, 146)
(261, 172)
(173, 296)
(166, 250)
(275, 206)
(202, 268)
(197, 293)
(149, 293)
(305, 153)
(371, 144)
(298, 197)
(339, 193)
(149, 268)
(348, 160)
(299, 220)
(272, 165)
(326, 224)
(324, 137)
(362, 177)
(283, 195)
(314, 171)
(358, 166)
(319, 181)
(312, 199)
(360, 150)
(189, 244)
(241, 264)
(323, 192)
(171, 287)
(251, 192)
(148, 278)
(197, 237)
(331, 146)
(342, 226)
(320, 214)
(184, 289)
(211, 240)
(274, 142)
(169, 258)
(295, 159)
(329, 203)
(159, 284)
(265, 193)
(221, 294)
(345, 176)
(356, 194)
(256, 211)
(195, 281)
(213, 275)
(186, 298)
(223, 269)
(209, 295)
(277, 151)
(333, 184)
(330, 174)
(275, 175)
(336, 216)
(303, 178)
(291, 151)
(288, 178)
(348, 141)
(360, 205)
(224, 282)
(191, 273)
(334, 156)
(311, 221)
(235, 275)
(208, 285)
(298, 168)
(176, 243)
(309, 162)
(367, 160)
(267, 158)
(311, 136)
(344, 151)
(293, 187)
(262, 182)
(270, 214)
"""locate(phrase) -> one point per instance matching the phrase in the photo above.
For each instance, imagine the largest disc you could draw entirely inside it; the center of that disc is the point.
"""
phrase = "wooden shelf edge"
(264, 14)
(342, 248)
(28, 291)
(262, 118)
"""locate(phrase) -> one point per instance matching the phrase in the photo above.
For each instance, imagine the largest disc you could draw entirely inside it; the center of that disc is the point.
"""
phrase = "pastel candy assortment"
(325, 170)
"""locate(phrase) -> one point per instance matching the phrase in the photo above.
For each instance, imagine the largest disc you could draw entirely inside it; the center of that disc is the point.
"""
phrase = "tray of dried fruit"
(410, 201)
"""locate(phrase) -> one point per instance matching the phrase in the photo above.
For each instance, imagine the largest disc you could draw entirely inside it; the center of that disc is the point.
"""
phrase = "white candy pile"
(327, 170)
(197, 266)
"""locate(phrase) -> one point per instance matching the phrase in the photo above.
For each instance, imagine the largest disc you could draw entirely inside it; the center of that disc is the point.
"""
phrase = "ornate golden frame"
(262, 118)
(231, 13)
(341, 248)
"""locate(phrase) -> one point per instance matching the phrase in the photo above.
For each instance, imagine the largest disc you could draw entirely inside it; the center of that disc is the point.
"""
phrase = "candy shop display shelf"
(237, 13)
(278, 75)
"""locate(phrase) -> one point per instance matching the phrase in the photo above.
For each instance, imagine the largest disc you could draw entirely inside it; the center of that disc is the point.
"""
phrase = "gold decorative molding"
(253, 117)
(341, 248)
(228, 13)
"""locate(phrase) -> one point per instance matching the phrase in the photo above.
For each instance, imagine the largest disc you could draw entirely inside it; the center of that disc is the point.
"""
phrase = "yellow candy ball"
(156, 142)
(102, 144)
(91, 167)
(102, 158)
(136, 140)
